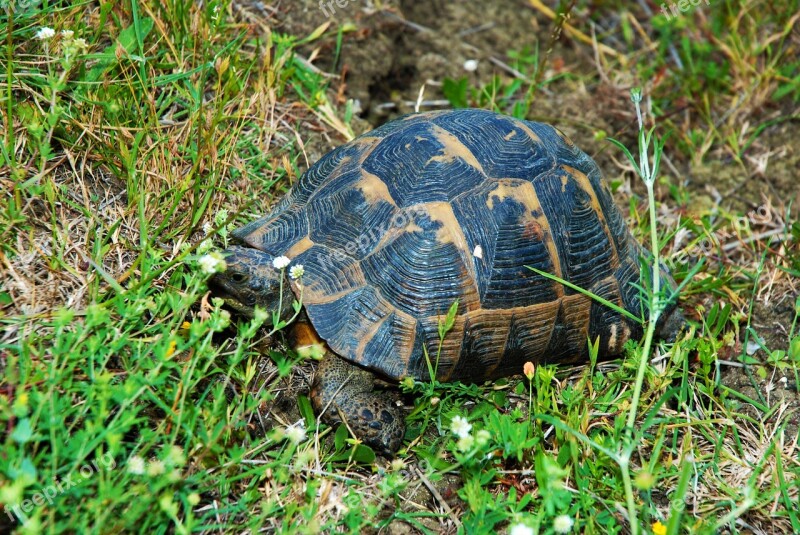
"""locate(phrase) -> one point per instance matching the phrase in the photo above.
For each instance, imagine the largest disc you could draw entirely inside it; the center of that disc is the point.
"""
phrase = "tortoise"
(429, 210)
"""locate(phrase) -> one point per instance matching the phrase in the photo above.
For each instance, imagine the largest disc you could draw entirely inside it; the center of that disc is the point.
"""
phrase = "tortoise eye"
(239, 278)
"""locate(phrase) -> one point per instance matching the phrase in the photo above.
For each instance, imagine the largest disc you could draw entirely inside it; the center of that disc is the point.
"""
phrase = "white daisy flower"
(136, 465)
(45, 33)
(562, 524)
(460, 426)
(211, 263)
(296, 433)
(520, 529)
(296, 271)
(280, 262)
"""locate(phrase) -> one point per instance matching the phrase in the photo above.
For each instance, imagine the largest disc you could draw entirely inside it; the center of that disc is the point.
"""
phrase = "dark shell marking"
(387, 228)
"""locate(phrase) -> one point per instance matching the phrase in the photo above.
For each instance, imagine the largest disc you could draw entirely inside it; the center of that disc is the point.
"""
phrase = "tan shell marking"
(314, 295)
(300, 247)
(373, 188)
(531, 134)
(369, 145)
(523, 192)
(586, 186)
(391, 234)
(451, 232)
(564, 137)
(454, 148)
(612, 338)
(576, 313)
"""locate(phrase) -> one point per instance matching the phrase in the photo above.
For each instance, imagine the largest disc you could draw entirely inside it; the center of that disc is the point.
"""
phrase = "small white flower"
(280, 262)
(471, 65)
(562, 524)
(260, 315)
(296, 433)
(211, 263)
(478, 252)
(460, 426)
(45, 33)
(296, 271)
(482, 437)
(175, 456)
(520, 529)
(136, 465)
(205, 246)
(207, 228)
(67, 34)
(465, 443)
(220, 217)
(155, 468)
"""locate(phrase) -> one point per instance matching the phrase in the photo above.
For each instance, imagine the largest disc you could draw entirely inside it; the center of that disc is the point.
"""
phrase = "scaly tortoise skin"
(433, 208)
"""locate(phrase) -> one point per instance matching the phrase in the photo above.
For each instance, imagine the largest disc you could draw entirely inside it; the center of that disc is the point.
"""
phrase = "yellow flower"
(528, 370)
(185, 325)
(659, 528)
(171, 348)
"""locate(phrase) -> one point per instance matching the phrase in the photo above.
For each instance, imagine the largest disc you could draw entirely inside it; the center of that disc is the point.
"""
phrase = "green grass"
(131, 401)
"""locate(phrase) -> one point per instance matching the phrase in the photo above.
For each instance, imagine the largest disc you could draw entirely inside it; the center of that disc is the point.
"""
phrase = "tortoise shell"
(433, 208)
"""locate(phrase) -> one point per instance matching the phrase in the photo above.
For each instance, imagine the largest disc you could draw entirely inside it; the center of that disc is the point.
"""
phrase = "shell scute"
(422, 267)
(422, 165)
(505, 147)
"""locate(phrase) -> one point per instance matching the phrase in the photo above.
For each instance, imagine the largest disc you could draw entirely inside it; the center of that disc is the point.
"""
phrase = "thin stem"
(648, 175)
(656, 308)
(626, 482)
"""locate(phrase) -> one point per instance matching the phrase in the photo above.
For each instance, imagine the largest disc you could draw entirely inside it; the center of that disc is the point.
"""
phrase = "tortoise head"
(250, 280)
(670, 325)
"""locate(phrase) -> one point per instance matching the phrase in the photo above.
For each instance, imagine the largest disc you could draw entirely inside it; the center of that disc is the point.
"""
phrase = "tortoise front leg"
(342, 390)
